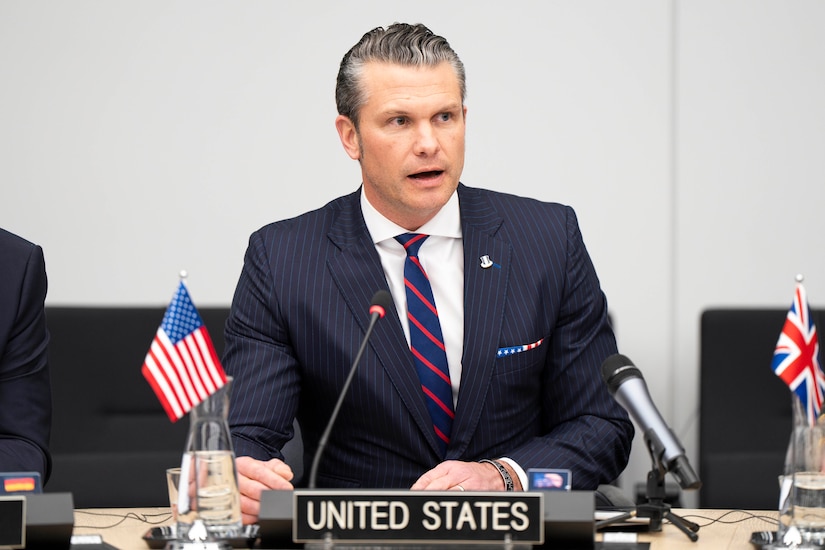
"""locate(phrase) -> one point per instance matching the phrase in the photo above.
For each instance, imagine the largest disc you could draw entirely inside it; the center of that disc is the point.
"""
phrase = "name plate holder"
(443, 518)
(47, 520)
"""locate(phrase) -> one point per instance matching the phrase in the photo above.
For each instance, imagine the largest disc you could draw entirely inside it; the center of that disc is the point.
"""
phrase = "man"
(25, 390)
(523, 322)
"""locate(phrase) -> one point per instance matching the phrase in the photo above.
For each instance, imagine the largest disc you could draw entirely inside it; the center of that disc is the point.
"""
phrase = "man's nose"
(426, 140)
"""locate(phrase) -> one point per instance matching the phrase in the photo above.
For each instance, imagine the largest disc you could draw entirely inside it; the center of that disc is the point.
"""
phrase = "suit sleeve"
(585, 429)
(25, 390)
(260, 358)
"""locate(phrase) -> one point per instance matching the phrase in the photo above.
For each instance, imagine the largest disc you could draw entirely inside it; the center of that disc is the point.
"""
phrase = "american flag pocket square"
(504, 352)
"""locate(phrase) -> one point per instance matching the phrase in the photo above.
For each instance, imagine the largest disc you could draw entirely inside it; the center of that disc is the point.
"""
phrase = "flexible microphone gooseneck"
(626, 384)
(381, 303)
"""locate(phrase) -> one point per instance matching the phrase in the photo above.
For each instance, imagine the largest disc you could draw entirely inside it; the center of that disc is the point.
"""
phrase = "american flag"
(796, 358)
(182, 366)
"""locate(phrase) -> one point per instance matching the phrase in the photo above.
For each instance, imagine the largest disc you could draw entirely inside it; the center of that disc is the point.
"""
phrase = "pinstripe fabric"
(300, 311)
(25, 388)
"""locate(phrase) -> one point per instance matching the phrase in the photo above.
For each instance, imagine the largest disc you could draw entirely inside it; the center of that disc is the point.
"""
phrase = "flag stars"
(181, 317)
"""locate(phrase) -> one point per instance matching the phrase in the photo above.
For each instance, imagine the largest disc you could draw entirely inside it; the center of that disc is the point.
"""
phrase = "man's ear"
(349, 136)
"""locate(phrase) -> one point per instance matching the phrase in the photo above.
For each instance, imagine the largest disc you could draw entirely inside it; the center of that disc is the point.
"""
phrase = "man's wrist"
(504, 472)
(516, 471)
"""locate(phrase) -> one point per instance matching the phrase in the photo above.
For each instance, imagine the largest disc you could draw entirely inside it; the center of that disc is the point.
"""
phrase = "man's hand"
(255, 476)
(468, 476)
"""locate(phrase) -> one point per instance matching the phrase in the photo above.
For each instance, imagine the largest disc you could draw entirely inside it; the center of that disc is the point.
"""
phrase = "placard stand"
(49, 520)
(12, 521)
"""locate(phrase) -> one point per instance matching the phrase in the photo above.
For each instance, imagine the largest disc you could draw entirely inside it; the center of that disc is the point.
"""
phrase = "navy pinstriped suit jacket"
(300, 312)
(25, 388)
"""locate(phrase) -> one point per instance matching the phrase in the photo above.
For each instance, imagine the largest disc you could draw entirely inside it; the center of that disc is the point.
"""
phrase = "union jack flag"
(182, 366)
(796, 358)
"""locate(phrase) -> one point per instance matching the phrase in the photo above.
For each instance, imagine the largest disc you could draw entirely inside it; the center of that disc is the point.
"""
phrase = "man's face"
(410, 140)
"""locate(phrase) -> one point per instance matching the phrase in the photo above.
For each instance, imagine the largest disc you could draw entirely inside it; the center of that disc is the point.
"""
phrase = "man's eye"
(445, 117)
(399, 121)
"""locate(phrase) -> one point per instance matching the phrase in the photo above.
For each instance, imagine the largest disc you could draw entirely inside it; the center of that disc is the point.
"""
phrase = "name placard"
(447, 517)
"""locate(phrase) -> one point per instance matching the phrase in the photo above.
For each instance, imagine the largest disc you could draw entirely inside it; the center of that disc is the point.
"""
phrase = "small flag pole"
(796, 361)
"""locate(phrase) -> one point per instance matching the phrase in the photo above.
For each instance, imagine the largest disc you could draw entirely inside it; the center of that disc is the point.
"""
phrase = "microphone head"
(616, 369)
(381, 303)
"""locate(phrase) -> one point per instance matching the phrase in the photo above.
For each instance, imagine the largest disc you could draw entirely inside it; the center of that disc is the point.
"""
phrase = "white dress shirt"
(442, 257)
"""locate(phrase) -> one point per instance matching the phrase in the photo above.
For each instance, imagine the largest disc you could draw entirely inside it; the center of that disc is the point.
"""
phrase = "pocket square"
(504, 352)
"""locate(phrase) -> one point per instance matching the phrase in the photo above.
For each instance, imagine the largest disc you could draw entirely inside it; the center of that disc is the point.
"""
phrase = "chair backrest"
(111, 440)
(745, 409)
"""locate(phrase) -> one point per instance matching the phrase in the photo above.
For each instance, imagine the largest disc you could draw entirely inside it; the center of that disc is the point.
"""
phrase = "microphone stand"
(381, 302)
(656, 508)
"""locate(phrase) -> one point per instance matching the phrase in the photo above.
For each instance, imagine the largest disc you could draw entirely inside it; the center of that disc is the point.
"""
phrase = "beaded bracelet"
(505, 475)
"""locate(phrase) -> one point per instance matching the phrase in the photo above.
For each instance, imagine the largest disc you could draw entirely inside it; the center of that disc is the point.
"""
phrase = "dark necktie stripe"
(426, 340)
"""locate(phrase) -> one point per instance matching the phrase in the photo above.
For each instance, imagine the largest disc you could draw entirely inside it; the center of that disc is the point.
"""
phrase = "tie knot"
(411, 242)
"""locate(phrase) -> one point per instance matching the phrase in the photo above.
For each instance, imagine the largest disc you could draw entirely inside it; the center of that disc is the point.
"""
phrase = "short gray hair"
(401, 44)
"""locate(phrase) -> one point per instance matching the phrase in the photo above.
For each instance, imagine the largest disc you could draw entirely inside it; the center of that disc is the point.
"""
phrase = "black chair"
(745, 409)
(111, 440)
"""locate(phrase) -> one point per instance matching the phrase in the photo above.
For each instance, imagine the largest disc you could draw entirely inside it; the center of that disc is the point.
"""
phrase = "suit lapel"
(358, 273)
(484, 299)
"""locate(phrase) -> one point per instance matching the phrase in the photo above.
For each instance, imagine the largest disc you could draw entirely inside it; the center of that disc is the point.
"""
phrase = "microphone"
(381, 302)
(626, 384)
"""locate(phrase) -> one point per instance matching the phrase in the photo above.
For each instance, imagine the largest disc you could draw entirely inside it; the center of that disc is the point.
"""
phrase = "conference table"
(124, 528)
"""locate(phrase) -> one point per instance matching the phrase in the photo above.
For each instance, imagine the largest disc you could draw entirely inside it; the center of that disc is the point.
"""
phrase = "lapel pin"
(487, 263)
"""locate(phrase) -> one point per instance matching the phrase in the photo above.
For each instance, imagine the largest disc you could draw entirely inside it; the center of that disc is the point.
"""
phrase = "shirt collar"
(446, 223)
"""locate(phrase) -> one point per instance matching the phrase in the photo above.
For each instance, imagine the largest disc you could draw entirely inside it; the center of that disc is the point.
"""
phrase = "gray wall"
(141, 138)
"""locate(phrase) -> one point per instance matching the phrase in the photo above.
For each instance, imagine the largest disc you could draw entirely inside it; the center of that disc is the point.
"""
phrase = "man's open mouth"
(427, 175)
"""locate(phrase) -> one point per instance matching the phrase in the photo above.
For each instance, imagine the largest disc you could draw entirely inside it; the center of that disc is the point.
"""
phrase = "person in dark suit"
(25, 390)
(523, 320)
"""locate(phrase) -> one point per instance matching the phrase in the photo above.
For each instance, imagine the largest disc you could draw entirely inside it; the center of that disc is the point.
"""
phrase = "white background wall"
(141, 138)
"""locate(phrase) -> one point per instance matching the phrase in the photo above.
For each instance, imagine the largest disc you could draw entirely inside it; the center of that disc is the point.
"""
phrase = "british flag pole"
(796, 362)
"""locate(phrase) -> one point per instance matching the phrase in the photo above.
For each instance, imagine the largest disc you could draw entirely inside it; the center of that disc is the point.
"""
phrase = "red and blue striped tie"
(426, 340)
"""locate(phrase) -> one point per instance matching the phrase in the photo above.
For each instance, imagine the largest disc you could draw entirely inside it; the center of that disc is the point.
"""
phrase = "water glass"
(172, 483)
